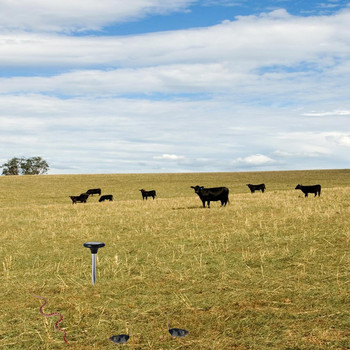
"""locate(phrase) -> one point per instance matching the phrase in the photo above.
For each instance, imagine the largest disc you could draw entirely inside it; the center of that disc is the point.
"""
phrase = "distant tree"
(12, 167)
(34, 166)
(25, 166)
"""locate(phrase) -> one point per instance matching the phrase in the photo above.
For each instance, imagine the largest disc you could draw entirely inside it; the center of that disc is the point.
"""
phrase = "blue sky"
(108, 86)
(209, 13)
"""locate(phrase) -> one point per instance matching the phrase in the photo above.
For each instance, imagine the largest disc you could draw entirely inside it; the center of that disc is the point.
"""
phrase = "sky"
(159, 86)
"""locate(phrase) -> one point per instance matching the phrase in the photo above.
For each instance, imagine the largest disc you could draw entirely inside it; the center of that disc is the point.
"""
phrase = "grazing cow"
(212, 194)
(309, 189)
(146, 194)
(106, 197)
(93, 191)
(82, 198)
(260, 187)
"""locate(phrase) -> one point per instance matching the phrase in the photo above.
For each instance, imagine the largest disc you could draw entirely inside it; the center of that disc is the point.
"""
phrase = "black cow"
(82, 198)
(93, 191)
(212, 194)
(260, 187)
(309, 189)
(106, 197)
(146, 194)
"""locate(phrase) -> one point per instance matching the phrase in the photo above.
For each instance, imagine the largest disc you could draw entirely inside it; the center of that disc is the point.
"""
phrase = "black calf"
(106, 197)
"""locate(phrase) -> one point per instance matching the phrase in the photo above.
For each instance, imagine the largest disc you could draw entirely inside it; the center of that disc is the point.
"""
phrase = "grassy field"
(269, 271)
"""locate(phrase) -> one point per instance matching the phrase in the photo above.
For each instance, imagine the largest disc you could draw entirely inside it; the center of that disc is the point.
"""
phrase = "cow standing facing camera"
(212, 194)
(260, 187)
(146, 194)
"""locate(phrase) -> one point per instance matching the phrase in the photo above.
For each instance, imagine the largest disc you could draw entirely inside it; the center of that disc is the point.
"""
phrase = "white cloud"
(335, 113)
(78, 15)
(302, 154)
(310, 146)
(166, 79)
(254, 160)
(169, 157)
(342, 139)
(240, 90)
(220, 59)
(133, 135)
(285, 40)
(345, 140)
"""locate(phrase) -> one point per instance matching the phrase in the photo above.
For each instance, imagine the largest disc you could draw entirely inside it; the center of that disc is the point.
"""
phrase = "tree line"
(25, 166)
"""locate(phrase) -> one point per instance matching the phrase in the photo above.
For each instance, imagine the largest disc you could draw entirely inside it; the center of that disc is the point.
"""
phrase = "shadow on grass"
(186, 208)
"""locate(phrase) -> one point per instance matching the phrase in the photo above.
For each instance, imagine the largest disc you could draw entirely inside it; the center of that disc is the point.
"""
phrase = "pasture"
(268, 271)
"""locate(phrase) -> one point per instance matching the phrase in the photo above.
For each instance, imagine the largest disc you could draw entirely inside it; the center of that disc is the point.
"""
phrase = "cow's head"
(298, 187)
(197, 188)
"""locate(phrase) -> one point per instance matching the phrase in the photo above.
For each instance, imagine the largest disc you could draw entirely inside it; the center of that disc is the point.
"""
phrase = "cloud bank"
(79, 15)
(257, 92)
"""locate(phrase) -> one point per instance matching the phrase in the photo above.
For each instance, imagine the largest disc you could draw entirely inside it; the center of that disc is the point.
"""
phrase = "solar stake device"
(94, 248)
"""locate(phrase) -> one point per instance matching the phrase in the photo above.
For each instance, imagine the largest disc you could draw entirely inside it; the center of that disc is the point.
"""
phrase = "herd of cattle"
(206, 195)
(83, 197)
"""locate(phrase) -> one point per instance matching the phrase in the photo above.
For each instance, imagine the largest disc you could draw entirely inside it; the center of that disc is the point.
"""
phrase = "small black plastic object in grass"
(176, 332)
(94, 246)
(120, 338)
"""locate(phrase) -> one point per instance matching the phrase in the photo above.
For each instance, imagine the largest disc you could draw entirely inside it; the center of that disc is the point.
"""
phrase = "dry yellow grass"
(269, 271)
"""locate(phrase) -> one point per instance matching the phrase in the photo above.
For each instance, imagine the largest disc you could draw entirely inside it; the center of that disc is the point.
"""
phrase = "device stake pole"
(93, 269)
(94, 246)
